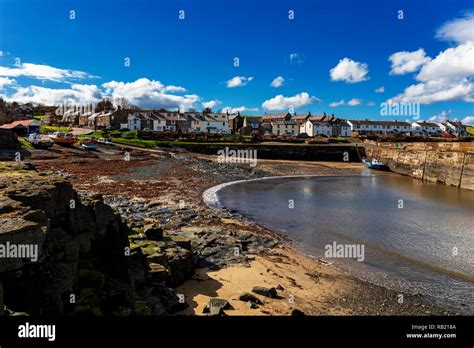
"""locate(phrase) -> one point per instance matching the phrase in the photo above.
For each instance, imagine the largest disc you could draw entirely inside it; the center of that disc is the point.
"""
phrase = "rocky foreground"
(134, 238)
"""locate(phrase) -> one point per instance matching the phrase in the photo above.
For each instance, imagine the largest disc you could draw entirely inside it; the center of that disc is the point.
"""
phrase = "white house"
(314, 127)
(326, 125)
(159, 123)
(214, 123)
(134, 122)
(379, 127)
(284, 127)
(455, 127)
(425, 128)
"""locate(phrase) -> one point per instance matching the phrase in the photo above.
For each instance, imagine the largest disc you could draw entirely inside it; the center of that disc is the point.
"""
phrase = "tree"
(207, 111)
(105, 104)
(123, 103)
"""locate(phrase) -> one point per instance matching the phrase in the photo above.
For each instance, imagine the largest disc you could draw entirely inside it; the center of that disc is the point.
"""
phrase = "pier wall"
(446, 163)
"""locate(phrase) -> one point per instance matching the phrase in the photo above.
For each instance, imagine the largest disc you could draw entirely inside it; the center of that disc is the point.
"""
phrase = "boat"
(35, 140)
(64, 139)
(374, 164)
(89, 145)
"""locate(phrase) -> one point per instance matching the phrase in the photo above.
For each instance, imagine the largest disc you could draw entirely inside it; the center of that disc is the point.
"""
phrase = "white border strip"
(210, 195)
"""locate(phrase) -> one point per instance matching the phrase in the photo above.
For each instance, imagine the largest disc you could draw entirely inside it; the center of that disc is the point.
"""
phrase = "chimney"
(324, 114)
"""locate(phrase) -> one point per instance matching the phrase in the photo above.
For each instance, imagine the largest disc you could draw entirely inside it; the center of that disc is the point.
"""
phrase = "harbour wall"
(446, 163)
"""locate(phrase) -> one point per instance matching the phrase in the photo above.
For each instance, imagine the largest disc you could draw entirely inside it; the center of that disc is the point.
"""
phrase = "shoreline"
(315, 287)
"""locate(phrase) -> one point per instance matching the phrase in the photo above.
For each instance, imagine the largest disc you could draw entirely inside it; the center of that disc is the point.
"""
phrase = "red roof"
(24, 123)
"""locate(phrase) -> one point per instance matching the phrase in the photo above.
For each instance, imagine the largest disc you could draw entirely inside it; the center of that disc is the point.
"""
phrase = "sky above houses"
(342, 57)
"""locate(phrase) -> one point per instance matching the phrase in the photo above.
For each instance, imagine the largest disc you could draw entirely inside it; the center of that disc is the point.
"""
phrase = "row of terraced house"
(270, 123)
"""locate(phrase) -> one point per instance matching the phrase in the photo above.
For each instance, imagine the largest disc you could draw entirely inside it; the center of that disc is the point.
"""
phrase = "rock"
(279, 287)
(297, 312)
(248, 297)
(267, 292)
(216, 306)
(183, 242)
(153, 232)
(158, 272)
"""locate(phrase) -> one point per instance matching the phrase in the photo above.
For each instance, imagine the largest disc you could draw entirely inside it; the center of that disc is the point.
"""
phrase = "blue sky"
(185, 63)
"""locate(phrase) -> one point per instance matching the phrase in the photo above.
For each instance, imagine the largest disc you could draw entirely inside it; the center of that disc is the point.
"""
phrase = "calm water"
(409, 228)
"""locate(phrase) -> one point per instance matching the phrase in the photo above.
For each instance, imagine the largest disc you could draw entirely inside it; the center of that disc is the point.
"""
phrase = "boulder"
(267, 292)
(216, 306)
(153, 232)
(248, 297)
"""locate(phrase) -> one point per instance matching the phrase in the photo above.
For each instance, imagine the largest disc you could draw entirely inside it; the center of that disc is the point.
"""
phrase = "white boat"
(62, 138)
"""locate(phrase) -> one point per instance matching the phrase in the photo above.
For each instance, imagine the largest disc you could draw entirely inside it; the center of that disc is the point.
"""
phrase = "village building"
(327, 125)
(363, 127)
(22, 127)
(453, 127)
(425, 128)
(300, 119)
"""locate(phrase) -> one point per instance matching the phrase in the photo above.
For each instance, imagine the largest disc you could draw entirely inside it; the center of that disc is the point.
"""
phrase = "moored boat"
(35, 140)
(374, 164)
(62, 138)
(89, 145)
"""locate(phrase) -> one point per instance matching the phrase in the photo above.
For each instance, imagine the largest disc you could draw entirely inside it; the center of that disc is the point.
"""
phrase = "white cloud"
(354, 102)
(457, 62)
(459, 30)
(350, 71)
(238, 81)
(174, 89)
(43, 72)
(240, 109)
(296, 58)
(336, 104)
(437, 91)
(469, 120)
(380, 89)
(77, 94)
(405, 62)
(281, 102)
(278, 82)
(211, 104)
(150, 94)
(370, 103)
(448, 77)
(4, 81)
(1, 53)
(442, 116)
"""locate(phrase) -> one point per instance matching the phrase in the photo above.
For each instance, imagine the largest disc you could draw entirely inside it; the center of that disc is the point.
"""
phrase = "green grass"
(97, 134)
(47, 129)
(470, 130)
(39, 117)
(25, 145)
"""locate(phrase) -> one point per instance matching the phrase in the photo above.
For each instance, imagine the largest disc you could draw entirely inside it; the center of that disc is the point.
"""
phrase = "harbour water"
(416, 236)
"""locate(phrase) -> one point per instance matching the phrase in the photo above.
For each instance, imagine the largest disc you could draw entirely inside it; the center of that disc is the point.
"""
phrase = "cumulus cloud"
(43, 72)
(459, 30)
(278, 82)
(405, 62)
(77, 94)
(380, 89)
(453, 63)
(240, 109)
(448, 76)
(238, 81)
(151, 94)
(210, 104)
(349, 71)
(4, 81)
(281, 102)
(469, 120)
